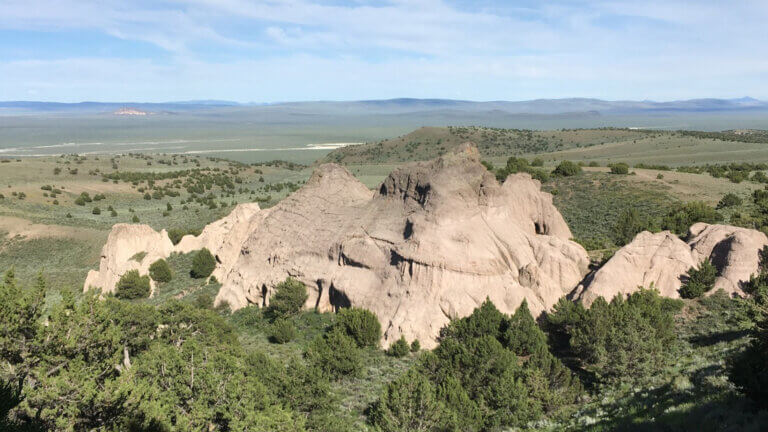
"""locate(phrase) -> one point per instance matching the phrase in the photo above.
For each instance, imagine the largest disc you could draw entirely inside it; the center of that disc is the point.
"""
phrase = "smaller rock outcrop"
(136, 247)
(662, 260)
(128, 247)
(732, 250)
(224, 237)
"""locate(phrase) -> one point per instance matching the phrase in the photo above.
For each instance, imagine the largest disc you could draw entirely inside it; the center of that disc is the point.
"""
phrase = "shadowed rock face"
(429, 245)
(662, 259)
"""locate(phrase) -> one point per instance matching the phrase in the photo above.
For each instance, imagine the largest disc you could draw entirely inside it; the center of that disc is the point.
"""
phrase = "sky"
(297, 50)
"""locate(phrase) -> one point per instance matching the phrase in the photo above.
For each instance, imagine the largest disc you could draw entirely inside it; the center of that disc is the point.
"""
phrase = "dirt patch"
(18, 227)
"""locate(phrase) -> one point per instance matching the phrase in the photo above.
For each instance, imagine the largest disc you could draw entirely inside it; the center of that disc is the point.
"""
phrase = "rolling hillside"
(602, 145)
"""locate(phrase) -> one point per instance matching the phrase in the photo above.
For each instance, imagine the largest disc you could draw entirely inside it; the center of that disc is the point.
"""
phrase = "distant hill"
(570, 106)
(430, 142)
(603, 144)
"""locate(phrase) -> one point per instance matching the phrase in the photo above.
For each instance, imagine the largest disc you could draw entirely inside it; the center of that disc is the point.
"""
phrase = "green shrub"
(593, 164)
(205, 301)
(747, 369)
(700, 280)
(132, 286)
(415, 346)
(629, 224)
(282, 331)
(288, 299)
(135, 219)
(409, 403)
(566, 169)
(176, 234)
(682, 216)
(203, 264)
(335, 355)
(622, 340)
(489, 372)
(96, 211)
(537, 162)
(619, 168)
(399, 349)
(729, 200)
(361, 325)
(160, 271)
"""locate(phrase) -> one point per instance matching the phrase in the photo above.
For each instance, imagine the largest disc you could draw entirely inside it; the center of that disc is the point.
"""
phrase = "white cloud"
(303, 49)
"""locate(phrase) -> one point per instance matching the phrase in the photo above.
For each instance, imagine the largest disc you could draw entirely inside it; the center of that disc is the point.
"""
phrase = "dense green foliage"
(282, 331)
(630, 223)
(360, 324)
(489, 371)
(700, 280)
(593, 204)
(203, 264)
(566, 168)
(399, 348)
(335, 354)
(119, 365)
(729, 200)
(132, 286)
(176, 234)
(619, 168)
(288, 299)
(682, 216)
(625, 339)
(516, 165)
(160, 271)
(748, 370)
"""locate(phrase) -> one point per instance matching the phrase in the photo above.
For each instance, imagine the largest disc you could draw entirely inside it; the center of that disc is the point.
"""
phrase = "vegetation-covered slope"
(604, 145)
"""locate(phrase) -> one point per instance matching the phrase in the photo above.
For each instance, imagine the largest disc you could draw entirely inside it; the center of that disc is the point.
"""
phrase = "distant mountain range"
(441, 107)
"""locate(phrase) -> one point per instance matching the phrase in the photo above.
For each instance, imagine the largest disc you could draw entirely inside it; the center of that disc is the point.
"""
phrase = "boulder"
(662, 260)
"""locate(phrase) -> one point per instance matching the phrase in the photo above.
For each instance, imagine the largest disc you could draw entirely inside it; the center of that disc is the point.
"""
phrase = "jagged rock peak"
(456, 174)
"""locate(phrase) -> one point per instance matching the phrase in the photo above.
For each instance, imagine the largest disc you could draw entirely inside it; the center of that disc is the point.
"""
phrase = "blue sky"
(283, 50)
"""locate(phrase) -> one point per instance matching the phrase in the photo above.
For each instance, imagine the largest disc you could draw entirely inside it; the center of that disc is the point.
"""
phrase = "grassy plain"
(62, 240)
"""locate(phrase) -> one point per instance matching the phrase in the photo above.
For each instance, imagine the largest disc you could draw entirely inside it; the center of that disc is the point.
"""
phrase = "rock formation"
(223, 238)
(662, 260)
(128, 247)
(430, 244)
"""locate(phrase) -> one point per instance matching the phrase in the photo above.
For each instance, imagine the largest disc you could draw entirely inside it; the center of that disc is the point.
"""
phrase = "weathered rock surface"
(223, 238)
(650, 259)
(662, 259)
(125, 241)
(429, 245)
(733, 250)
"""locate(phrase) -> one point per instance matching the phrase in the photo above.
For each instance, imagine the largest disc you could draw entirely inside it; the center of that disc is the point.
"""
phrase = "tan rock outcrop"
(733, 250)
(650, 259)
(662, 260)
(125, 241)
(429, 245)
(223, 238)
